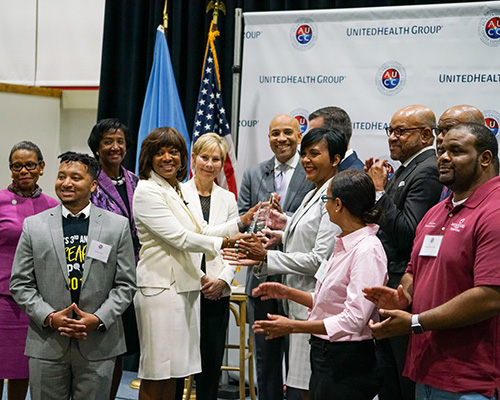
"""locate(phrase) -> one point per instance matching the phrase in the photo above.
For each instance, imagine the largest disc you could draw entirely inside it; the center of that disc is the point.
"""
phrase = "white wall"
(46, 122)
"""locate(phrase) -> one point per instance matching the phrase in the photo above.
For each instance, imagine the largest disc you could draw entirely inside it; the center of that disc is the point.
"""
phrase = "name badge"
(430, 246)
(322, 270)
(99, 251)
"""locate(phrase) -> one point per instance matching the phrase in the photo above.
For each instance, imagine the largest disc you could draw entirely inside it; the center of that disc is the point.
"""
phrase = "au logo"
(301, 115)
(489, 28)
(304, 34)
(390, 78)
(492, 119)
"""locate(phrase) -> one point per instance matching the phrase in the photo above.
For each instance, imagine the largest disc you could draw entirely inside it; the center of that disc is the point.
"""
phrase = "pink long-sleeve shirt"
(358, 261)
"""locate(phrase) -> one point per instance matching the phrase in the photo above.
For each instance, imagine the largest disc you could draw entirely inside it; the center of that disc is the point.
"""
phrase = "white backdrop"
(370, 62)
(51, 42)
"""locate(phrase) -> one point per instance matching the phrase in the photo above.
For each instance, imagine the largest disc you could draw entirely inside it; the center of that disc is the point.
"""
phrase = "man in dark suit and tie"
(282, 174)
(336, 118)
(74, 275)
(405, 198)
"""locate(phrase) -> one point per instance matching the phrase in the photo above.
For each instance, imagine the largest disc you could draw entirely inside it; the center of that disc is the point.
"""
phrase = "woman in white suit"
(308, 241)
(215, 205)
(168, 273)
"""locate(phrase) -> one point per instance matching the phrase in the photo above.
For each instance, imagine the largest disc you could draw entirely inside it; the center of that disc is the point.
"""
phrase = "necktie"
(280, 182)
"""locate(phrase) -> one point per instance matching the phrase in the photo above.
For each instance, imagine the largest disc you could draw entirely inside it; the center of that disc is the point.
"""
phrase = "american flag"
(210, 113)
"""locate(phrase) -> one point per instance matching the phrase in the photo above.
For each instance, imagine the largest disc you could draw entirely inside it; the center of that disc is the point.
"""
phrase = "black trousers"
(269, 354)
(395, 386)
(214, 320)
(344, 370)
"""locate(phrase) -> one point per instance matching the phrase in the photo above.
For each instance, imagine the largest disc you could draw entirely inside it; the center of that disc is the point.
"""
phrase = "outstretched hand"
(274, 327)
(277, 220)
(251, 247)
(236, 257)
(387, 298)
(271, 290)
(272, 238)
(247, 218)
(398, 323)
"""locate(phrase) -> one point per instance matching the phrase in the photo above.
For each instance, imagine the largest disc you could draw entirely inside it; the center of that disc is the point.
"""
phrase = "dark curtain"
(128, 44)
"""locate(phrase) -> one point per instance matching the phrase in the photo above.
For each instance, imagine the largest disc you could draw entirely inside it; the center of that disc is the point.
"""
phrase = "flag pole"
(217, 5)
(165, 17)
(235, 106)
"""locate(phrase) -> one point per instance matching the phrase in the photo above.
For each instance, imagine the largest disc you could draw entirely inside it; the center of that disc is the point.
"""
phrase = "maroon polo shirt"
(465, 359)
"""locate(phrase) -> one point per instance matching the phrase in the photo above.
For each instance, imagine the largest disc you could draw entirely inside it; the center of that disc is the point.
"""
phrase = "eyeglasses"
(398, 132)
(30, 166)
(325, 198)
(441, 131)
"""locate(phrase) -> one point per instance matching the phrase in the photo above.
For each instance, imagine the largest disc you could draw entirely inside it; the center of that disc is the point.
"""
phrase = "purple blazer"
(107, 197)
(13, 210)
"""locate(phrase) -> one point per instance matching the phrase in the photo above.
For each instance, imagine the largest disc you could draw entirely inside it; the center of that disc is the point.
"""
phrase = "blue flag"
(162, 106)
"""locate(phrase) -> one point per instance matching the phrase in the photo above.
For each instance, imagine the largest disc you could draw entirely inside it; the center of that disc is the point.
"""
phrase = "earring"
(97, 153)
(336, 210)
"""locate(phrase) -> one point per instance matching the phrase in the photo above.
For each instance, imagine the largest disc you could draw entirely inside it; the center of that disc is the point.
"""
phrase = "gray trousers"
(71, 376)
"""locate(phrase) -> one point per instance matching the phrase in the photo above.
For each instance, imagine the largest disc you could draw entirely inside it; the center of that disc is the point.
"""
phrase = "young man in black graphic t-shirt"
(74, 276)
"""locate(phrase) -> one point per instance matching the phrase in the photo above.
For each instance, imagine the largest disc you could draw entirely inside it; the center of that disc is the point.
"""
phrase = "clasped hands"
(212, 289)
(73, 328)
(251, 249)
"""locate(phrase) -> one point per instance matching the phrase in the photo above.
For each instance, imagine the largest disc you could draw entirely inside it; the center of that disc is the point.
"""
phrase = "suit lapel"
(194, 198)
(95, 226)
(268, 178)
(294, 186)
(57, 235)
(109, 189)
(174, 197)
(309, 200)
(215, 206)
(400, 181)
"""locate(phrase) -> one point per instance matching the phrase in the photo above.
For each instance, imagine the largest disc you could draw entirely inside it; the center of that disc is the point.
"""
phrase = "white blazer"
(172, 238)
(308, 240)
(223, 210)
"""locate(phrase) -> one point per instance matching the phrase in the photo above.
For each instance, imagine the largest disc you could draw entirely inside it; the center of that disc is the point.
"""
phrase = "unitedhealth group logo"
(304, 34)
(301, 115)
(492, 119)
(390, 78)
(489, 28)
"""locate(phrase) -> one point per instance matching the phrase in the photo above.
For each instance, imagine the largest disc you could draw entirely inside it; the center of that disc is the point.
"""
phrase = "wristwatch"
(415, 325)
(101, 327)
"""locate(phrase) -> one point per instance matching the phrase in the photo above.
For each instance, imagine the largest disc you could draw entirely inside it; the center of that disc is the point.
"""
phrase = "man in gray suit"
(73, 274)
(282, 174)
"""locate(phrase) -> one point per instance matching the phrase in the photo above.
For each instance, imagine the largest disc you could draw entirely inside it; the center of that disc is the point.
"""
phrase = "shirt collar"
(407, 162)
(85, 212)
(351, 240)
(292, 162)
(478, 195)
(348, 153)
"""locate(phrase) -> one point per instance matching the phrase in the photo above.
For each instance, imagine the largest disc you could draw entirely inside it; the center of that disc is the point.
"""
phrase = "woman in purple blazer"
(21, 199)
(109, 141)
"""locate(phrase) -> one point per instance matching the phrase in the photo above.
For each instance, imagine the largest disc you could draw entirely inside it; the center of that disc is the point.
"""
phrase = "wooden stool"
(240, 299)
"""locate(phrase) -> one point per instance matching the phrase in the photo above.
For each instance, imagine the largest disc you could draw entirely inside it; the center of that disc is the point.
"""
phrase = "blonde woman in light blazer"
(214, 205)
(169, 277)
